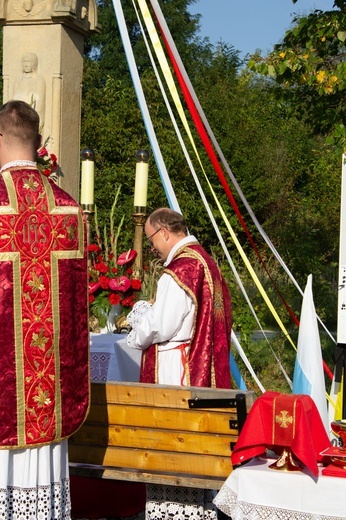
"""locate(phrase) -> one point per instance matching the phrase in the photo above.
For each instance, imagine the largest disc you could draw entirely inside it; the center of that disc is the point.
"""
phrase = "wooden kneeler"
(159, 434)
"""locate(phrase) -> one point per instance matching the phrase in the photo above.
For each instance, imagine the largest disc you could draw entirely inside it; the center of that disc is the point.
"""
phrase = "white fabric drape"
(34, 483)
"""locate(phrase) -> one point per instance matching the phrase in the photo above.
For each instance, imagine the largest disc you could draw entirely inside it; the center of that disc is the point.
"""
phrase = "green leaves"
(275, 122)
(310, 65)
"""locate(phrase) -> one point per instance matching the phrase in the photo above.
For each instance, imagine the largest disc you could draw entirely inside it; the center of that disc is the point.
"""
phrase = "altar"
(255, 491)
(112, 360)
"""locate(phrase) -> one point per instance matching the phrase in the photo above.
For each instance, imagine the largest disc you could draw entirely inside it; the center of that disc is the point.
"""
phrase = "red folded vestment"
(283, 420)
(334, 471)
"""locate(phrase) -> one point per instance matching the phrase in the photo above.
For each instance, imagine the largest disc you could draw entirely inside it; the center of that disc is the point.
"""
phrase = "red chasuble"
(44, 344)
(207, 361)
(276, 420)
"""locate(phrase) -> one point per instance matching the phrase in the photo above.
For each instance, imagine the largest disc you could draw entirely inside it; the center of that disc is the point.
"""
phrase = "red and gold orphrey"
(207, 362)
(44, 346)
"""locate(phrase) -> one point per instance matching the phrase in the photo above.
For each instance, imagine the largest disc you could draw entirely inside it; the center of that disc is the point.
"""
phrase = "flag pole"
(340, 349)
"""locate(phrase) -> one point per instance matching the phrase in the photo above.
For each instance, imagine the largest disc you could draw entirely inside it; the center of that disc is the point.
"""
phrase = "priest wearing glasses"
(185, 333)
(184, 336)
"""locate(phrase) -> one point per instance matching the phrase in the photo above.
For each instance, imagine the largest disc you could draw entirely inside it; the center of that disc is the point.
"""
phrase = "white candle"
(141, 185)
(87, 183)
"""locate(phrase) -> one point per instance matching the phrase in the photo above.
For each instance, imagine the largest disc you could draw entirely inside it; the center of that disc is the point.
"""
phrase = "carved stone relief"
(30, 86)
(81, 14)
(29, 8)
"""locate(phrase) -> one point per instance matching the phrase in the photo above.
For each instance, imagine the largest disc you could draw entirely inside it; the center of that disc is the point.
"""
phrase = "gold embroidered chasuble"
(44, 340)
(207, 362)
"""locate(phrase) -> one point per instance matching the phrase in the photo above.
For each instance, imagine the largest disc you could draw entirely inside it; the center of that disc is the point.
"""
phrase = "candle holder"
(88, 210)
(139, 210)
(137, 268)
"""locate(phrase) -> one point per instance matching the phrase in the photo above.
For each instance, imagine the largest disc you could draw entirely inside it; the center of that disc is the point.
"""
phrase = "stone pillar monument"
(43, 65)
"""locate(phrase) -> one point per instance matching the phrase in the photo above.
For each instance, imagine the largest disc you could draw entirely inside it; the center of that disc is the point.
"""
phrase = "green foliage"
(106, 48)
(280, 125)
(290, 179)
(309, 67)
(100, 308)
(263, 353)
(273, 131)
(265, 365)
(152, 271)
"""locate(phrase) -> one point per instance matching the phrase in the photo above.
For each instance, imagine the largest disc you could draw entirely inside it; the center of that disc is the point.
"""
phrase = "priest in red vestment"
(185, 333)
(184, 336)
(44, 344)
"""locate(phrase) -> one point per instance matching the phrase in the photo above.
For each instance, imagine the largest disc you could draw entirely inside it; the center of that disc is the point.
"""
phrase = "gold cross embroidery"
(60, 224)
(284, 419)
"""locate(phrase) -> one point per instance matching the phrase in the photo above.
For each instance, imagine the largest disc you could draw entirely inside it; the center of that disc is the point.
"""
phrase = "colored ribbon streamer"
(171, 85)
(236, 373)
(224, 247)
(144, 110)
(172, 200)
(246, 361)
(195, 103)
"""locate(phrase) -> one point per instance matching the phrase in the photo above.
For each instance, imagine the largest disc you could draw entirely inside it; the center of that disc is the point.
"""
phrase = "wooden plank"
(162, 418)
(150, 439)
(152, 460)
(194, 481)
(159, 395)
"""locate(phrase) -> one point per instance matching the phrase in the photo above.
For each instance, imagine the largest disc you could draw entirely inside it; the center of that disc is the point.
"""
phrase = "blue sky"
(251, 24)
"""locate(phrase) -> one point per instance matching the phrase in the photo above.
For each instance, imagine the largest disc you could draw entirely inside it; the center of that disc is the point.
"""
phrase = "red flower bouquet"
(110, 282)
(110, 275)
(46, 162)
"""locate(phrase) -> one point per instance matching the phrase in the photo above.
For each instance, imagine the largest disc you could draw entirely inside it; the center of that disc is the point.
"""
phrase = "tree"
(111, 119)
(292, 183)
(106, 47)
(309, 69)
(272, 153)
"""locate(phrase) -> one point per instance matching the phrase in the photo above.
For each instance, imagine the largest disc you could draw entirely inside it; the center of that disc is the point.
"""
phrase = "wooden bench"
(181, 436)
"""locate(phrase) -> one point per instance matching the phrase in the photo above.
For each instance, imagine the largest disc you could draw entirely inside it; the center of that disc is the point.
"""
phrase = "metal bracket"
(239, 402)
(212, 403)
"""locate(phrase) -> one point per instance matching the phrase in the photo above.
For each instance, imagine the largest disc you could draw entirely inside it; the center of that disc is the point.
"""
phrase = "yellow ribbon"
(175, 96)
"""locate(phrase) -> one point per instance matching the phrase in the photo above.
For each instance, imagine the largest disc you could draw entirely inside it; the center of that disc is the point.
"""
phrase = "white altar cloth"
(112, 360)
(254, 491)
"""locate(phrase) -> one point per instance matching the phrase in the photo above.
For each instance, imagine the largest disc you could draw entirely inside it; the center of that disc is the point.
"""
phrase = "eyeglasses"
(151, 236)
